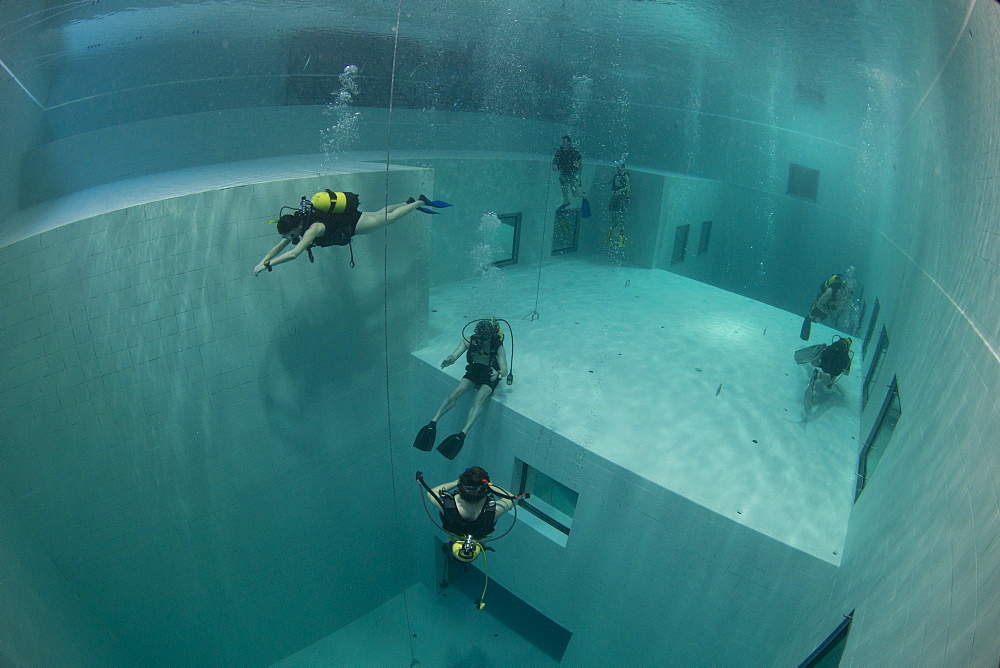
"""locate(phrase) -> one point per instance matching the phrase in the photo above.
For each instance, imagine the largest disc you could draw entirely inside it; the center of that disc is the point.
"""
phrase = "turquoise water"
(203, 467)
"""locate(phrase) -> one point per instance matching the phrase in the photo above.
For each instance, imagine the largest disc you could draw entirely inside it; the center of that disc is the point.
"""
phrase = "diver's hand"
(447, 361)
(259, 268)
(494, 374)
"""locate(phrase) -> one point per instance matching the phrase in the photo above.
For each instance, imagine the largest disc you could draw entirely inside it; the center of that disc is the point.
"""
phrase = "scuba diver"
(621, 197)
(486, 363)
(332, 219)
(568, 162)
(834, 294)
(468, 510)
(831, 362)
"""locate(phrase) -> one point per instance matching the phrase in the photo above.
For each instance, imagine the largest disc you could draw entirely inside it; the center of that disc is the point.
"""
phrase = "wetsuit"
(454, 523)
(567, 160)
(835, 283)
(621, 192)
(835, 359)
(339, 226)
(480, 361)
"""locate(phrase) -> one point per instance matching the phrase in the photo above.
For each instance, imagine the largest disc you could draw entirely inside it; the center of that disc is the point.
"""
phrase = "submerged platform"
(689, 386)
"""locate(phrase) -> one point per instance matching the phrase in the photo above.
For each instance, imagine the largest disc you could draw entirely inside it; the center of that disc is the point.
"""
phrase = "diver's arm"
(441, 488)
(315, 230)
(459, 351)
(502, 361)
(823, 303)
(503, 505)
(262, 265)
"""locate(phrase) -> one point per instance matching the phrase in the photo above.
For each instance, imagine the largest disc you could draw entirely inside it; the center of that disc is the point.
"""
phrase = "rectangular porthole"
(680, 243)
(803, 181)
(566, 231)
(508, 241)
(551, 502)
(871, 327)
(706, 234)
(873, 369)
(878, 439)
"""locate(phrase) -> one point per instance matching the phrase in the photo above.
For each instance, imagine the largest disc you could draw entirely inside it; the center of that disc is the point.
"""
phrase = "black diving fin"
(425, 437)
(451, 446)
(806, 329)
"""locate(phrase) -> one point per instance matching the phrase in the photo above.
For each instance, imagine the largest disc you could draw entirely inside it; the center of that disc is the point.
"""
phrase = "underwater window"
(706, 233)
(803, 181)
(878, 439)
(871, 327)
(828, 654)
(680, 244)
(508, 240)
(551, 501)
(866, 389)
(566, 233)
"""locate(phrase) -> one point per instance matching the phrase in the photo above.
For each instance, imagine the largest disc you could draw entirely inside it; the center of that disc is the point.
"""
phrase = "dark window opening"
(680, 244)
(828, 654)
(566, 233)
(803, 181)
(866, 389)
(871, 327)
(878, 439)
(508, 241)
(551, 501)
(706, 233)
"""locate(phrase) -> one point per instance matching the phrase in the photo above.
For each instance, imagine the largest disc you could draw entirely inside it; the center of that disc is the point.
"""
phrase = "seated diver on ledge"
(486, 364)
(332, 219)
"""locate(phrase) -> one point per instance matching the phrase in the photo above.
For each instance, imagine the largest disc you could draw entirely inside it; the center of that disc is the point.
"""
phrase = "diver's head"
(289, 224)
(567, 139)
(473, 484)
(484, 328)
(843, 342)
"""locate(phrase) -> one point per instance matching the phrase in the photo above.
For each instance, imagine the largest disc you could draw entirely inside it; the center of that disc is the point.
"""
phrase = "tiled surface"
(690, 387)
(647, 576)
(188, 443)
(428, 626)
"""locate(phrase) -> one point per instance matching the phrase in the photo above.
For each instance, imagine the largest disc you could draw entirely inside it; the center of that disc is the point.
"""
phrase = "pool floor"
(688, 385)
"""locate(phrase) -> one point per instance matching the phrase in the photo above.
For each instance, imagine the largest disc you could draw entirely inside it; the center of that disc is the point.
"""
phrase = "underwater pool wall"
(193, 448)
(921, 565)
(646, 576)
(767, 244)
(23, 118)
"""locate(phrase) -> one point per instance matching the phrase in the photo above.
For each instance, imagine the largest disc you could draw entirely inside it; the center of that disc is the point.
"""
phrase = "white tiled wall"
(922, 561)
(194, 447)
(647, 577)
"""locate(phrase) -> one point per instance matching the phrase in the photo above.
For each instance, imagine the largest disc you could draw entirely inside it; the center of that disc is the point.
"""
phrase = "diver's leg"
(482, 396)
(463, 386)
(376, 220)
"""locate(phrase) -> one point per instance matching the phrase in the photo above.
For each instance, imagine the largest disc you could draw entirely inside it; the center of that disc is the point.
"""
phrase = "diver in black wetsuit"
(332, 219)
(568, 162)
(834, 294)
(470, 506)
(486, 364)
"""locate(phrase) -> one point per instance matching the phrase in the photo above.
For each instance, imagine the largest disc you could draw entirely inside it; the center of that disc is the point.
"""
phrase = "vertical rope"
(385, 305)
